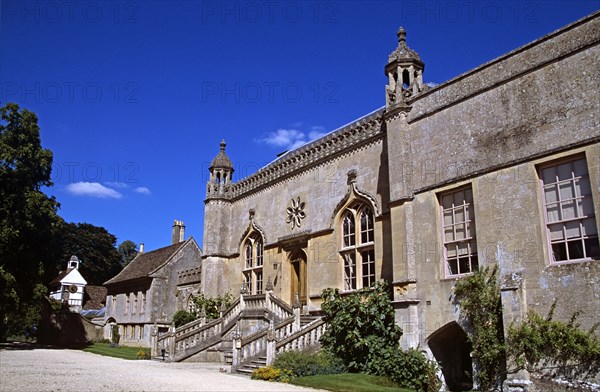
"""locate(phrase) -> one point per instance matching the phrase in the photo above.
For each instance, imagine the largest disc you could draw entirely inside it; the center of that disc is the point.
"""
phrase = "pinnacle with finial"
(401, 35)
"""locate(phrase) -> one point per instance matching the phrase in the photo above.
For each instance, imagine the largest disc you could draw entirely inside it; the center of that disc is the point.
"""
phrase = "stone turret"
(405, 73)
(221, 171)
(217, 207)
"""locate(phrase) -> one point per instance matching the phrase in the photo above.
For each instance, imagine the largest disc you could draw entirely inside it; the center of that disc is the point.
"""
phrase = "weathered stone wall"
(322, 188)
(490, 128)
(164, 301)
(530, 102)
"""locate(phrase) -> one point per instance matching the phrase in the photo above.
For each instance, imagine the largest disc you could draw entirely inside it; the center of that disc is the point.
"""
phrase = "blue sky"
(134, 97)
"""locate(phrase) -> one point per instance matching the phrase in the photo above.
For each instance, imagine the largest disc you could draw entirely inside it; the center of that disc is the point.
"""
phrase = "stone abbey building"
(499, 166)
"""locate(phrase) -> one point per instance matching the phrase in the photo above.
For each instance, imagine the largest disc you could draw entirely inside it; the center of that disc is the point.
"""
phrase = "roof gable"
(70, 276)
(146, 263)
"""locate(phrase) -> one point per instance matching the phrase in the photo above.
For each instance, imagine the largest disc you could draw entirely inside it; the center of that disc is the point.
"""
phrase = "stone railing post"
(203, 316)
(223, 309)
(296, 307)
(271, 343)
(243, 291)
(154, 340)
(236, 349)
(172, 343)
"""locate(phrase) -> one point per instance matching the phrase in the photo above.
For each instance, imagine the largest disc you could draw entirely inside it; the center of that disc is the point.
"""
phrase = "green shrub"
(182, 317)
(116, 337)
(363, 333)
(408, 369)
(212, 305)
(309, 363)
(144, 353)
(361, 325)
(539, 344)
(270, 373)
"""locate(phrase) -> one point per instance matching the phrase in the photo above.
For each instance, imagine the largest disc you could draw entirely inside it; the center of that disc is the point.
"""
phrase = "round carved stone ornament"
(295, 213)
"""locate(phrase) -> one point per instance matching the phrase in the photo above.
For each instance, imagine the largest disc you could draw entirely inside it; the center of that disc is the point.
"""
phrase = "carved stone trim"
(295, 212)
(294, 241)
(354, 193)
(321, 149)
(252, 226)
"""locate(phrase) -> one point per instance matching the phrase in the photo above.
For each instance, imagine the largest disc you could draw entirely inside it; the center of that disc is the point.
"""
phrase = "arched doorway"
(451, 348)
(298, 276)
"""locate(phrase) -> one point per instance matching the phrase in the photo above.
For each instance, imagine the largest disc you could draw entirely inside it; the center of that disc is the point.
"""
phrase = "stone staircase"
(247, 336)
(249, 367)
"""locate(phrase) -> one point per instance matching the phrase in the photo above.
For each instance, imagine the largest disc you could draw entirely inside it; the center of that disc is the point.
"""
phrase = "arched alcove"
(451, 348)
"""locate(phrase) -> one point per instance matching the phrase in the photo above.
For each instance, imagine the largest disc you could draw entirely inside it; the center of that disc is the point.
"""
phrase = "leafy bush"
(116, 337)
(363, 334)
(408, 369)
(182, 317)
(211, 305)
(361, 325)
(540, 343)
(309, 363)
(478, 296)
(270, 373)
(144, 353)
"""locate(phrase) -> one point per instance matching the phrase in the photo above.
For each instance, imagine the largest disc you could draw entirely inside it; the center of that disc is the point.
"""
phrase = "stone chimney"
(141, 248)
(178, 232)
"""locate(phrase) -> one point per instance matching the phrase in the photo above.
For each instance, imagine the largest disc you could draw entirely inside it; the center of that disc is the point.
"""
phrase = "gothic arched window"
(358, 247)
(253, 265)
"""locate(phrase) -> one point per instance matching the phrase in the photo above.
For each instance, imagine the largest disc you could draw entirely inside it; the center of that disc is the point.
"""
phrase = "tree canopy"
(128, 250)
(35, 242)
(28, 218)
(96, 249)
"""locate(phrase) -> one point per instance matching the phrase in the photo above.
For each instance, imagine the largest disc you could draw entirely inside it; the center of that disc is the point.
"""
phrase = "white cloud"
(143, 190)
(292, 138)
(92, 189)
(120, 185)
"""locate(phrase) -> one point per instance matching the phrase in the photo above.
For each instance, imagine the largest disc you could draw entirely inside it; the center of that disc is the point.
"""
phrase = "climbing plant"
(545, 345)
(212, 305)
(478, 296)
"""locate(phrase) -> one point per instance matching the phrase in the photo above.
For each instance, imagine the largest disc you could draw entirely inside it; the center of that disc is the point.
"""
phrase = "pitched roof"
(144, 263)
(221, 161)
(95, 297)
(61, 275)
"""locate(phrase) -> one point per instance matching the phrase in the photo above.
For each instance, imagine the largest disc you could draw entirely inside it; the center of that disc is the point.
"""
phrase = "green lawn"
(348, 382)
(117, 352)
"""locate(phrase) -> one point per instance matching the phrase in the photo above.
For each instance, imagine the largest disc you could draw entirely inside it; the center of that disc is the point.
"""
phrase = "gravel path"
(43, 369)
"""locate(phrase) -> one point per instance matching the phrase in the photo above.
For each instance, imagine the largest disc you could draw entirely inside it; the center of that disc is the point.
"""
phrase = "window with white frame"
(569, 211)
(126, 303)
(253, 264)
(458, 231)
(358, 247)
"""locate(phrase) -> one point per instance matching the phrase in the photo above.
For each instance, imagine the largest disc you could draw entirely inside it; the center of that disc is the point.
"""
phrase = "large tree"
(96, 249)
(128, 250)
(28, 219)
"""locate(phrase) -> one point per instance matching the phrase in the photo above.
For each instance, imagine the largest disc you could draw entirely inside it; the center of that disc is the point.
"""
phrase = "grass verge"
(123, 352)
(349, 382)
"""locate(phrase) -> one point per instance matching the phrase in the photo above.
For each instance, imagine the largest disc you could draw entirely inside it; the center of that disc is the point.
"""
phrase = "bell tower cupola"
(405, 73)
(221, 170)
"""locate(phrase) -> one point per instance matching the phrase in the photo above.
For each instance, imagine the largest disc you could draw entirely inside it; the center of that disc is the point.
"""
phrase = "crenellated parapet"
(341, 141)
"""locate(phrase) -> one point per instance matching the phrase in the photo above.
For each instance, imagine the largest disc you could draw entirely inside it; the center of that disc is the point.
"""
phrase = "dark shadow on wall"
(65, 328)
